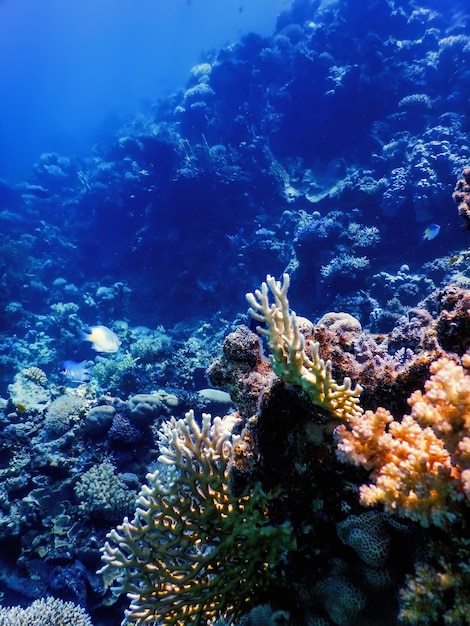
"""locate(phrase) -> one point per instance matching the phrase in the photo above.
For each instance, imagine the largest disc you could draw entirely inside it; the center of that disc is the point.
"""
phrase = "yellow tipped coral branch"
(289, 358)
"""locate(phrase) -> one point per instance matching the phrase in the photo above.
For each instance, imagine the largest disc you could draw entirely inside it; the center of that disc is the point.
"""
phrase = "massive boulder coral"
(242, 370)
(461, 196)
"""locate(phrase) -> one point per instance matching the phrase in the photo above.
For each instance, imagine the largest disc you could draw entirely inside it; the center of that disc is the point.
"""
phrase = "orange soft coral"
(420, 465)
(446, 404)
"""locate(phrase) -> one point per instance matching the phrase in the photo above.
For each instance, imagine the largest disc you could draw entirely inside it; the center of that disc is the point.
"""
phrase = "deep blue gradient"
(70, 70)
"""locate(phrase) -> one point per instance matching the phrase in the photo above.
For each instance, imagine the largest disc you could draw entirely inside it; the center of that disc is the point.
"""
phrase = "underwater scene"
(235, 315)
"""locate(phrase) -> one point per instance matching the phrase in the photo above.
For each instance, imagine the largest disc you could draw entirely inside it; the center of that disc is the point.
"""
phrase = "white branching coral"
(102, 493)
(193, 551)
(289, 357)
(45, 612)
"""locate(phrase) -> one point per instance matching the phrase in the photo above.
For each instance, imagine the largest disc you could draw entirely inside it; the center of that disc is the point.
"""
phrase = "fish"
(431, 231)
(103, 339)
(76, 371)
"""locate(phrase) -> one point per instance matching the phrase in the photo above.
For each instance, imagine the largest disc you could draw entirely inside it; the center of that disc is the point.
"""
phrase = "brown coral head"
(461, 196)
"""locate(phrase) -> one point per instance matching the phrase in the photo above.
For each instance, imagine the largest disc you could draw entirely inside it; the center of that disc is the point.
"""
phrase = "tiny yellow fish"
(453, 259)
(103, 339)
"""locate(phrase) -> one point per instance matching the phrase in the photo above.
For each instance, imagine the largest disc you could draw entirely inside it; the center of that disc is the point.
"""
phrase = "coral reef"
(263, 517)
(418, 465)
(251, 166)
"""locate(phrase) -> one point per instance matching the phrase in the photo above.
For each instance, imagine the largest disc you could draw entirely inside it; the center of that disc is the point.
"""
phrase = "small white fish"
(76, 371)
(103, 339)
(431, 231)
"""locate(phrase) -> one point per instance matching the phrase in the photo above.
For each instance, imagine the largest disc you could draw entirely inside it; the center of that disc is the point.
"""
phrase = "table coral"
(193, 551)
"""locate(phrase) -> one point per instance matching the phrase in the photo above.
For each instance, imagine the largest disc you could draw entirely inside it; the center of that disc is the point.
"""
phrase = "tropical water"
(159, 160)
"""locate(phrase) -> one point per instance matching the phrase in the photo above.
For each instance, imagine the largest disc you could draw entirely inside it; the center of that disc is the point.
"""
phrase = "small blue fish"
(431, 232)
(75, 371)
(103, 339)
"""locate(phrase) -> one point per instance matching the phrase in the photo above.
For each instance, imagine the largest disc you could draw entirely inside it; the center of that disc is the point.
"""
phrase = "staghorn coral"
(289, 358)
(193, 551)
(419, 465)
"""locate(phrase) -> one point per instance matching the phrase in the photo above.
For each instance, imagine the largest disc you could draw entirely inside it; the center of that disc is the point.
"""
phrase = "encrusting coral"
(420, 465)
(290, 359)
(193, 551)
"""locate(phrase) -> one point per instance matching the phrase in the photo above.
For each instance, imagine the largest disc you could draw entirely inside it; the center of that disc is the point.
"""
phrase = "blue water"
(158, 158)
(71, 72)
